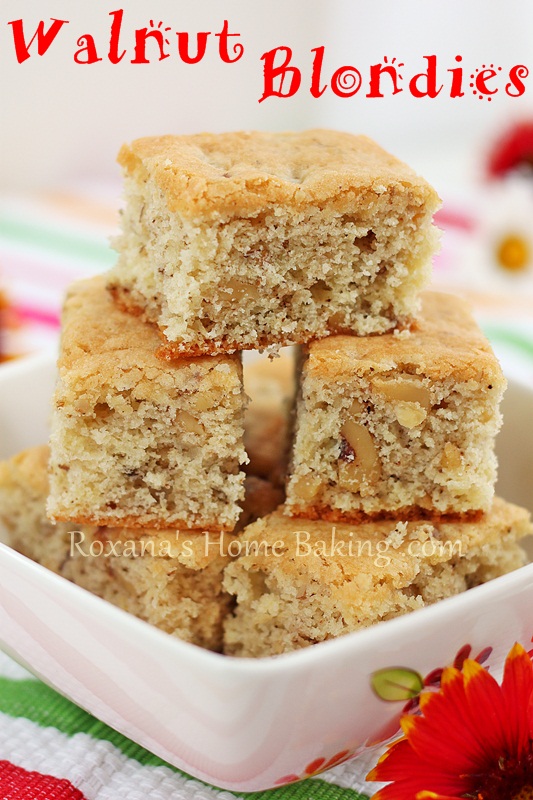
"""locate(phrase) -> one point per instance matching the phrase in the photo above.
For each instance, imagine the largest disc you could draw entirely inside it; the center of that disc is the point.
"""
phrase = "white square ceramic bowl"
(240, 724)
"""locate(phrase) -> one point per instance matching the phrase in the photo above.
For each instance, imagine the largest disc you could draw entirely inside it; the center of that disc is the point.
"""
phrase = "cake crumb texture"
(255, 240)
(136, 441)
(171, 579)
(299, 582)
(398, 424)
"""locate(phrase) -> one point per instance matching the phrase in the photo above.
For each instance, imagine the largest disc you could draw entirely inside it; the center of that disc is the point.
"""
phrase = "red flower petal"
(517, 689)
(462, 655)
(514, 148)
(482, 657)
(402, 765)
(488, 711)
(445, 732)
(433, 678)
(393, 792)
(409, 790)
(398, 763)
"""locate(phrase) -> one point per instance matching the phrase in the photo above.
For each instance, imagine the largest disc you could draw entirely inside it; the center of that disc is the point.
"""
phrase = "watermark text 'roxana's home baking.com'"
(380, 552)
(321, 71)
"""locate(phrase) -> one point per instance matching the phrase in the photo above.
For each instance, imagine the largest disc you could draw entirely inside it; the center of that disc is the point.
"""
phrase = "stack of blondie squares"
(258, 531)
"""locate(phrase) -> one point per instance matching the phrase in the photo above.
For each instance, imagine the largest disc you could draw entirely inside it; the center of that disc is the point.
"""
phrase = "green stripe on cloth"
(311, 789)
(38, 703)
(56, 242)
(35, 701)
(520, 342)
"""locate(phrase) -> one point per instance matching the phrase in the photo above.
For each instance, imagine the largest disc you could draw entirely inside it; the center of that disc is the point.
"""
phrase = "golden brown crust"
(174, 351)
(445, 341)
(95, 329)
(410, 513)
(121, 296)
(139, 523)
(504, 518)
(234, 174)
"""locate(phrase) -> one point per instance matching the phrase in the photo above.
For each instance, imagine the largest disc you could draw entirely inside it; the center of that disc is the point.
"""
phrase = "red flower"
(473, 739)
(513, 151)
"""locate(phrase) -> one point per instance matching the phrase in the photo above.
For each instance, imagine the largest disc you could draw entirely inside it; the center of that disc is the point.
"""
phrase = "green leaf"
(396, 683)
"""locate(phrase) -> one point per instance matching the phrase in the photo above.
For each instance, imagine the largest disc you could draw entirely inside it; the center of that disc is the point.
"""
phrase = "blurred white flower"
(498, 253)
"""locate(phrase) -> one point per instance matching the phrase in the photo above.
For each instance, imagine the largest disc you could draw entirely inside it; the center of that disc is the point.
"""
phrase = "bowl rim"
(435, 615)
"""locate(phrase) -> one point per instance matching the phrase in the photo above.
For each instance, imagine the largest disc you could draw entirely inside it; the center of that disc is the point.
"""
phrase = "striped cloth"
(46, 242)
(49, 748)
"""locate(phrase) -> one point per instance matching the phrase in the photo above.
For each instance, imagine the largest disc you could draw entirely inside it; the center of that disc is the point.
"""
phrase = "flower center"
(525, 793)
(513, 253)
(511, 779)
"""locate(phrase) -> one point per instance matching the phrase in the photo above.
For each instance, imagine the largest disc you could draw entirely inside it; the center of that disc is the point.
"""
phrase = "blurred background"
(63, 123)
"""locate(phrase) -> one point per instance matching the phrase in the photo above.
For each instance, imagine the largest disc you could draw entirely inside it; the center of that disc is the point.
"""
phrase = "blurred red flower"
(513, 151)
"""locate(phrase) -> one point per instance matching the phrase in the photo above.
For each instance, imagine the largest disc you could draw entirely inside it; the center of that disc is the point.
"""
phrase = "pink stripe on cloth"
(448, 218)
(38, 316)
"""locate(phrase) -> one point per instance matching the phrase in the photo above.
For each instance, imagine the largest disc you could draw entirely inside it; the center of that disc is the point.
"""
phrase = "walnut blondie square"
(250, 240)
(298, 582)
(137, 441)
(170, 579)
(398, 423)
